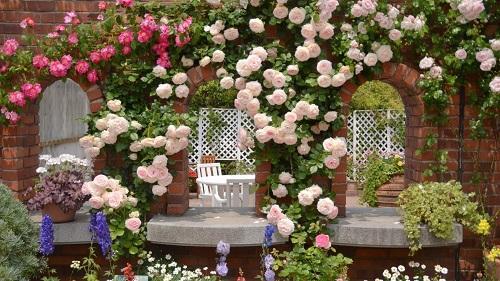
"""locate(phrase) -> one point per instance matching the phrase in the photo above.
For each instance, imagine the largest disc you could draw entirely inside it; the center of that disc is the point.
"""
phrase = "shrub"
(18, 240)
(440, 205)
(212, 95)
(378, 171)
(376, 95)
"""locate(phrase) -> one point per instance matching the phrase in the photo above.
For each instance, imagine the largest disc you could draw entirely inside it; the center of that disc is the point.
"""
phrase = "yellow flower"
(493, 254)
(483, 227)
(400, 163)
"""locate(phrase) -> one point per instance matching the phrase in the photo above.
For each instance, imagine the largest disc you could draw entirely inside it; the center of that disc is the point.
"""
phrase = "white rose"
(218, 39)
(324, 67)
(324, 81)
(330, 116)
(260, 52)
(256, 25)
(227, 82)
(182, 91)
(136, 125)
(305, 197)
(159, 71)
(218, 56)
(255, 87)
(205, 61)
(426, 62)
(370, 59)
(101, 124)
(221, 72)
(394, 35)
(384, 53)
(495, 85)
(325, 206)
(278, 80)
(292, 70)
(285, 227)
(159, 190)
(326, 32)
(231, 34)
(308, 31)
(187, 62)
(302, 53)
(164, 91)
(179, 78)
(338, 80)
(280, 191)
(114, 105)
(280, 12)
(240, 83)
(297, 15)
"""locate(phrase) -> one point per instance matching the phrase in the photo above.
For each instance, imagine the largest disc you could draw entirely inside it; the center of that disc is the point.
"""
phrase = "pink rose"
(82, 67)
(57, 69)
(330, 116)
(495, 85)
(331, 162)
(95, 57)
(325, 206)
(152, 172)
(326, 32)
(324, 67)
(461, 54)
(92, 76)
(297, 15)
(291, 117)
(305, 197)
(275, 214)
(96, 202)
(133, 224)
(303, 149)
(101, 180)
(278, 80)
(256, 25)
(159, 190)
(308, 31)
(280, 191)
(31, 90)
(285, 227)
(73, 38)
(142, 172)
(231, 34)
(302, 53)
(40, 61)
(323, 241)
(324, 81)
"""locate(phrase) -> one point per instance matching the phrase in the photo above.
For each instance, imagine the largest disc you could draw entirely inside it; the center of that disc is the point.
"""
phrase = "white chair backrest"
(206, 170)
(238, 193)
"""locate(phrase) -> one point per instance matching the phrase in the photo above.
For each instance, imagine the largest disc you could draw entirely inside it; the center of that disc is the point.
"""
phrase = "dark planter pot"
(57, 214)
(387, 194)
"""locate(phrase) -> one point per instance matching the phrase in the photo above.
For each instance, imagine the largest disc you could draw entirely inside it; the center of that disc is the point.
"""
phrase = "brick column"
(19, 152)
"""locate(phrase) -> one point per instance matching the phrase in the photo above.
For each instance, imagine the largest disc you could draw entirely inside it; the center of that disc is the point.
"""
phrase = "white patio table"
(222, 181)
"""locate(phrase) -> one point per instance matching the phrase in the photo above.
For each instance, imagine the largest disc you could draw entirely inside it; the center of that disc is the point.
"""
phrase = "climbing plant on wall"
(288, 81)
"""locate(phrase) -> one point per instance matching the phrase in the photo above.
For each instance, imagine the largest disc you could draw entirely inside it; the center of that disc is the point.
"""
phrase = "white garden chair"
(238, 193)
(210, 191)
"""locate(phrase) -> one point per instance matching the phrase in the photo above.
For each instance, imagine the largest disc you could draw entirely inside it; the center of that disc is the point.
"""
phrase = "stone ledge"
(205, 227)
(75, 232)
(382, 228)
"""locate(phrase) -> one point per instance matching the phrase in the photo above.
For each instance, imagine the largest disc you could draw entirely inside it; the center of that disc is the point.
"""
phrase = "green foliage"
(212, 95)
(439, 205)
(18, 240)
(378, 171)
(311, 263)
(374, 95)
(238, 167)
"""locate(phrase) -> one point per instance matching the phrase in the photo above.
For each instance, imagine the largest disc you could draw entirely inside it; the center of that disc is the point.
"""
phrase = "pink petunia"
(9, 47)
(40, 61)
(73, 38)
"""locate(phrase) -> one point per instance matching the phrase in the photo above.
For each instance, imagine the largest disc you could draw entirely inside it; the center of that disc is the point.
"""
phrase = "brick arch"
(20, 143)
(177, 199)
(404, 79)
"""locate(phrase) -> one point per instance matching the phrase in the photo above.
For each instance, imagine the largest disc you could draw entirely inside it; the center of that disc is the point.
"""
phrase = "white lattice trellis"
(365, 135)
(224, 143)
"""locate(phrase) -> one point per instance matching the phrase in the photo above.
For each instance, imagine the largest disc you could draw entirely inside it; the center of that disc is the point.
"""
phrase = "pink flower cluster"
(364, 8)
(125, 3)
(276, 217)
(107, 192)
(40, 61)
(327, 7)
(126, 38)
(244, 140)
(10, 46)
(28, 90)
(327, 208)
(338, 148)
(487, 59)
(175, 140)
(156, 173)
(133, 223)
(182, 36)
(91, 145)
(71, 18)
(147, 27)
(470, 9)
(12, 116)
(27, 22)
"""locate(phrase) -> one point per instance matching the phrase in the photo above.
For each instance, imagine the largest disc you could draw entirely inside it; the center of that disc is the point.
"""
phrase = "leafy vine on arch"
(289, 82)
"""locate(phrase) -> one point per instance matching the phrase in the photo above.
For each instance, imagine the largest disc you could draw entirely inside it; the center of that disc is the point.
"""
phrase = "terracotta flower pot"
(387, 194)
(208, 159)
(58, 215)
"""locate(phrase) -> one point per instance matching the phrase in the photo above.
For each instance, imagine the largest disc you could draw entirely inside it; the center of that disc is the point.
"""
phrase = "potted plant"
(492, 263)
(382, 180)
(58, 191)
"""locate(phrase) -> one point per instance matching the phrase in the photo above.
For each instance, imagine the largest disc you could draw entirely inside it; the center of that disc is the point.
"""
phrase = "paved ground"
(352, 201)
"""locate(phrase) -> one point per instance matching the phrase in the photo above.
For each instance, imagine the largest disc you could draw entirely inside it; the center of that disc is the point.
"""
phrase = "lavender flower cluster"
(46, 240)
(223, 249)
(267, 258)
(100, 232)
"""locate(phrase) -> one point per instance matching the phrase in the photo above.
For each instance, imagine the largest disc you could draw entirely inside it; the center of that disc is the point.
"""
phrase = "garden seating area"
(280, 140)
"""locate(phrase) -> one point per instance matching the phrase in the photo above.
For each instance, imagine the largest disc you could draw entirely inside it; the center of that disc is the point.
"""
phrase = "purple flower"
(268, 261)
(223, 248)
(100, 232)
(222, 269)
(268, 235)
(46, 236)
(269, 275)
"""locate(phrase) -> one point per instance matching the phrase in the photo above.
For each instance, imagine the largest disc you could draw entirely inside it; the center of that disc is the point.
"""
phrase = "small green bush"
(18, 240)
(212, 95)
(374, 95)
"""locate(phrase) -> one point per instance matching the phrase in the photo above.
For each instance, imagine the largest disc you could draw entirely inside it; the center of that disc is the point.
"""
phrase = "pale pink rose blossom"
(331, 162)
(370, 59)
(308, 31)
(426, 63)
(256, 25)
(303, 149)
(275, 214)
(334, 213)
(297, 15)
(286, 178)
(326, 32)
(394, 35)
(315, 190)
(285, 227)
(292, 70)
(314, 49)
(279, 80)
(101, 180)
(384, 53)
(114, 199)
(305, 197)
(325, 206)
(280, 191)
(338, 80)
(291, 117)
(330, 116)
(302, 53)
(487, 65)
(133, 224)
(495, 84)
(179, 78)
(461, 54)
(159, 190)
(255, 87)
(96, 202)
(182, 91)
(471, 9)
(231, 34)
(280, 12)
(324, 81)
(227, 82)
(324, 67)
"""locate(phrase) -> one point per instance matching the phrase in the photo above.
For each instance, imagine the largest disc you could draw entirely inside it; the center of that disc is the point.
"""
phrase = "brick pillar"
(262, 171)
(19, 152)
(339, 182)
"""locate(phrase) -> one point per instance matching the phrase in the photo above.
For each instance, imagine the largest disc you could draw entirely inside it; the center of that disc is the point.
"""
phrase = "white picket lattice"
(224, 143)
(366, 136)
